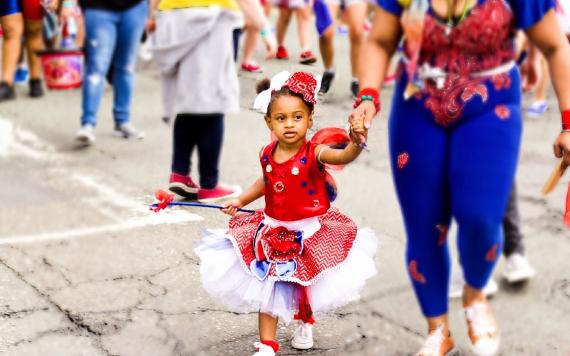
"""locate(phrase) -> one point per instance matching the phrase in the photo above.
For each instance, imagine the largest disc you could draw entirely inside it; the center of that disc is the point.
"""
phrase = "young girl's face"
(290, 119)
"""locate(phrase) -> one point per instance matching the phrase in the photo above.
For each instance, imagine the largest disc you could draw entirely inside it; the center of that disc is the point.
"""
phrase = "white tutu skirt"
(228, 280)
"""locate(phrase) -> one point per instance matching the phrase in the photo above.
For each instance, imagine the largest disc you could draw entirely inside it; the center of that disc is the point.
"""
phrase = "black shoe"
(7, 91)
(36, 88)
(354, 88)
(326, 82)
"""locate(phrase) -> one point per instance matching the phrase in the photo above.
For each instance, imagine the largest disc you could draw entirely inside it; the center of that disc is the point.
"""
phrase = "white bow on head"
(262, 99)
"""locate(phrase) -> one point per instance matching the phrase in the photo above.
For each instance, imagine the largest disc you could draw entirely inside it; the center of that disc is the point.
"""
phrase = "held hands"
(562, 147)
(358, 130)
(231, 207)
(365, 112)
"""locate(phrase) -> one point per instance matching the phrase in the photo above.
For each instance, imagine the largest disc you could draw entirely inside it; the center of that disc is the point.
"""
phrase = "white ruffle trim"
(225, 278)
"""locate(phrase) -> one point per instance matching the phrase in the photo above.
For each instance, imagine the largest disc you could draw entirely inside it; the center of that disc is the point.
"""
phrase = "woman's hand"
(231, 207)
(150, 25)
(366, 110)
(270, 45)
(51, 5)
(562, 147)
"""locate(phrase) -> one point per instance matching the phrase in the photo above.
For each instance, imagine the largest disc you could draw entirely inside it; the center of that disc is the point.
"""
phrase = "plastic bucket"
(63, 69)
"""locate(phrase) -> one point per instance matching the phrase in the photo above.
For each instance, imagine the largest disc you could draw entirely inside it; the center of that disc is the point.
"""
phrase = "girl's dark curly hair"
(265, 84)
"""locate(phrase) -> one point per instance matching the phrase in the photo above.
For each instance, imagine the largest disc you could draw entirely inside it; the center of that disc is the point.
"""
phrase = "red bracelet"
(566, 120)
(370, 94)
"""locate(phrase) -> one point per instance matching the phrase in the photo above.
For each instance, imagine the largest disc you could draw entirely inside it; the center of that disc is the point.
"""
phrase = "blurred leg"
(11, 46)
(101, 36)
(129, 31)
(355, 15)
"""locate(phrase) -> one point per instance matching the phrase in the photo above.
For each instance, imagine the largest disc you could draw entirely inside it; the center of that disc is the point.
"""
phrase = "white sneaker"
(86, 134)
(303, 337)
(263, 350)
(517, 269)
(127, 130)
(482, 329)
(437, 344)
(457, 282)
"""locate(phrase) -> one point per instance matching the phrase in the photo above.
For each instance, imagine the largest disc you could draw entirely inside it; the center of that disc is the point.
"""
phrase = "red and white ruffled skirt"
(260, 263)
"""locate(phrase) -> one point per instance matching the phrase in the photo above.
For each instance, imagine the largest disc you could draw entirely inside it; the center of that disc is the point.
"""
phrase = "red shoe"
(282, 53)
(220, 192)
(251, 67)
(307, 57)
(183, 186)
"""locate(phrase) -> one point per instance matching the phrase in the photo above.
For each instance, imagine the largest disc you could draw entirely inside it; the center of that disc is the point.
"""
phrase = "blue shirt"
(526, 12)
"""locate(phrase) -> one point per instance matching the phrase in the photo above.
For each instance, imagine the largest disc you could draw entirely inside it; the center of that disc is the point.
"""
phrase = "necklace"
(450, 11)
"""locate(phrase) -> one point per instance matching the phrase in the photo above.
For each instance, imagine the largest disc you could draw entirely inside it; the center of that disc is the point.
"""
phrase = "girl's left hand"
(562, 147)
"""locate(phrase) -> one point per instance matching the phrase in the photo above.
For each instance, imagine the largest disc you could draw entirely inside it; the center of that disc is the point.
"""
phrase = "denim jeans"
(112, 37)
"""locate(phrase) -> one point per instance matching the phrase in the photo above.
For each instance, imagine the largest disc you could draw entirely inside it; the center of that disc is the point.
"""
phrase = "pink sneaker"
(183, 186)
(307, 57)
(220, 192)
(251, 67)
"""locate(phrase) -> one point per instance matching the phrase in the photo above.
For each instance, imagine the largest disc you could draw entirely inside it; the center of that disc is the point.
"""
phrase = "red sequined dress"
(297, 240)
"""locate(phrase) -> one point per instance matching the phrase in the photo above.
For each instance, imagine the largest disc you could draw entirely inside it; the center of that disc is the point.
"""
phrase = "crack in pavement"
(79, 326)
(19, 313)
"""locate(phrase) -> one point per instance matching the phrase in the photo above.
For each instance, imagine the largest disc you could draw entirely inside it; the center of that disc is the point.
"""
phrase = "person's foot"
(251, 67)
(303, 336)
(220, 192)
(354, 88)
(7, 91)
(183, 186)
(36, 88)
(457, 283)
(126, 130)
(438, 344)
(482, 328)
(326, 82)
(86, 134)
(517, 268)
(282, 53)
(263, 350)
(307, 57)
(537, 108)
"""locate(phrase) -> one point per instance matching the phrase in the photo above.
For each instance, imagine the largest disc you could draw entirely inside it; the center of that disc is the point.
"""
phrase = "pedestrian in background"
(195, 48)
(12, 26)
(113, 32)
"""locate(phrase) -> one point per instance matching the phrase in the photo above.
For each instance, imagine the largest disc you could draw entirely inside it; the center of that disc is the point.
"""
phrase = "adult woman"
(194, 49)
(454, 142)
(113, 32)
(12, 25)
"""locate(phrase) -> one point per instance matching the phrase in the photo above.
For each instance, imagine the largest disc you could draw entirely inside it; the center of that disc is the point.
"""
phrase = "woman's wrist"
(566, 120)
(368, 94)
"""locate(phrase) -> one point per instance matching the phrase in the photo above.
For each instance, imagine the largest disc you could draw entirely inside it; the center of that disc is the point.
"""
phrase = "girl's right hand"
(231, 207)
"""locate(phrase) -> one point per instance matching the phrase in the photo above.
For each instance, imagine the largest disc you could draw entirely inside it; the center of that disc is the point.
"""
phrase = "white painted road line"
(153, 219)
